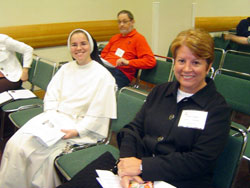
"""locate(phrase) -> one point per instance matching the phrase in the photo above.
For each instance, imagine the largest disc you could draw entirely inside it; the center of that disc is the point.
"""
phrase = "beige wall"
(174, 16)
(223, 8)
(22, 12)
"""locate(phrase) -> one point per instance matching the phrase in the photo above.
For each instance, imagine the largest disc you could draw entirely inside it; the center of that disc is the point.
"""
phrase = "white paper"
(108, 64)
(100, 182)
(21, 94)
(61, 120)
(109, 180)
(193, 119)
(45, 133)
(162, 184)
(4, 97)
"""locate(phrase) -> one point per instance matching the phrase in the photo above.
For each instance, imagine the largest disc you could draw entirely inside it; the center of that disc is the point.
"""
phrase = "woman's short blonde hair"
(198, 41)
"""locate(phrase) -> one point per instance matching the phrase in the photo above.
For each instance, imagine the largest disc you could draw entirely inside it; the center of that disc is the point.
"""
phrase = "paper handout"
(16, 94)
(45, 133)
(5, 97)
(21, 94)
(108, 64)
(109, 180)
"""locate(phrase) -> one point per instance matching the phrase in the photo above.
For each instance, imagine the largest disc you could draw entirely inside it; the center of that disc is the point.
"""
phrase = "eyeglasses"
(123, 21)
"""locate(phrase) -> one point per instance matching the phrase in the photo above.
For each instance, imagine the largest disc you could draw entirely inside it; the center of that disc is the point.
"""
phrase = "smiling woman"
(192, 61)
(80, 46)
(190, 71)
(183, 124)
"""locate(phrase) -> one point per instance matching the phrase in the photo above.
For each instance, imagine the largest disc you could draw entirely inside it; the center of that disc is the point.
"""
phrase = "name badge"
(119, 52)
(193, 119)
(248, 28)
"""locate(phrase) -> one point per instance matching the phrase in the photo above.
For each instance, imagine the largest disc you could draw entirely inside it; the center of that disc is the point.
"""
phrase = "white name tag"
(248, 28)
(119, 52)
(193, 119)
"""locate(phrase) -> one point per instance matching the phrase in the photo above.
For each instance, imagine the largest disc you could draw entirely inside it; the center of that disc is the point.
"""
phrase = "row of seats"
(40, 74)
(220, 42)
(233, 60)
(161, 73)
(236, 92)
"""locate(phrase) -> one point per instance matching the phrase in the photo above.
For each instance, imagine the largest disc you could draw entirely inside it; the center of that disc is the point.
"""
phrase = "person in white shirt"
(79, 103)
(12, 73)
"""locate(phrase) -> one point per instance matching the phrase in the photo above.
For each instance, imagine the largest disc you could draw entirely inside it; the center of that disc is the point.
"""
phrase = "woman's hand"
(25, 74)
(69, 133)
(129, 166)
(126, 180)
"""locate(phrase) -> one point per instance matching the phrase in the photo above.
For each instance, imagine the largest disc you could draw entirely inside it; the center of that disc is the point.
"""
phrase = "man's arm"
(145, 57)
(237, 39)
(105, 50)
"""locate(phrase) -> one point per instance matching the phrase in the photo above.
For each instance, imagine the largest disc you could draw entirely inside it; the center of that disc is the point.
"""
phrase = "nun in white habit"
(78, 105)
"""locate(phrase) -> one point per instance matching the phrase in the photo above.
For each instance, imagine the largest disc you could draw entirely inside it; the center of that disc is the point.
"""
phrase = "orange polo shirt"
(137, 51)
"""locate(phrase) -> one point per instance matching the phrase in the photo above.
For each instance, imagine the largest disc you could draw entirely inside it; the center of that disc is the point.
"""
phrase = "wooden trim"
(216, 24)
(56, 34)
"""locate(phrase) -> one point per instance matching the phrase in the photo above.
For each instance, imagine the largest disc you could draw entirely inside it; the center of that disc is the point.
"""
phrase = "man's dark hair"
(130, 15)
(248, 20)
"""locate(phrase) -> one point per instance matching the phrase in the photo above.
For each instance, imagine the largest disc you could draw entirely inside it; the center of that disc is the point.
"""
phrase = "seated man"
(128, 51)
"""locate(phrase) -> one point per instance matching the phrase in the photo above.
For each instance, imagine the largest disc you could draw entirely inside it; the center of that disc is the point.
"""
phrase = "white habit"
(78, 97)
